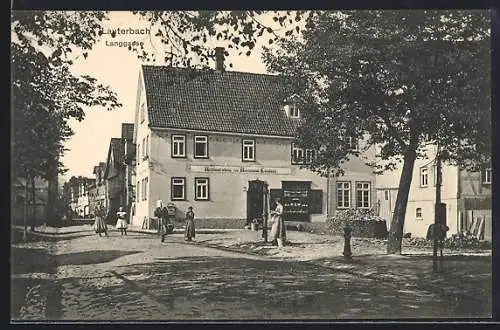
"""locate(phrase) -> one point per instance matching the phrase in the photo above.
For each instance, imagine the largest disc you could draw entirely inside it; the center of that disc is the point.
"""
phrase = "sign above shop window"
(240, 169)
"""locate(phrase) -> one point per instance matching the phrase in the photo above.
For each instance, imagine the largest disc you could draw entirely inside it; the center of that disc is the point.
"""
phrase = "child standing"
(121, 224)
(190, 233)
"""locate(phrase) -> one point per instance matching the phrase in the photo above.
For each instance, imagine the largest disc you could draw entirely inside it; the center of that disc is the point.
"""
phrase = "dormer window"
(292, 110)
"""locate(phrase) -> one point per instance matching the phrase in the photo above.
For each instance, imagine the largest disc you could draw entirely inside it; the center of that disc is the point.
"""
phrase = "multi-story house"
(79, 195)
(117, 174)
(467, 196)
(203, 139)
(97, 191)
(130, 163)
(83, 204)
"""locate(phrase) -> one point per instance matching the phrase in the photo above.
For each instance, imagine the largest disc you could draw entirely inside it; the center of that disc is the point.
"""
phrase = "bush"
(465, 240)
(363, 222)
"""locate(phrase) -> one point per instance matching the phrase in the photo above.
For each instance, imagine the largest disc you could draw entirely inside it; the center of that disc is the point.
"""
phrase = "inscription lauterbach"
(240, 169)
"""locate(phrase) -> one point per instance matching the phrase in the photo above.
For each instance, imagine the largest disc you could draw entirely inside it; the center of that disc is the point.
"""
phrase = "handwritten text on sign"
(240, 169)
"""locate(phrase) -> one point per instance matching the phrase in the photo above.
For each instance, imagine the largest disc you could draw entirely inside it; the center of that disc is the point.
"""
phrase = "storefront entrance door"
(255, 200)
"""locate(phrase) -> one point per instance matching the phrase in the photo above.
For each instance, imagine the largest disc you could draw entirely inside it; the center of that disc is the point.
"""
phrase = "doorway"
(255, 200)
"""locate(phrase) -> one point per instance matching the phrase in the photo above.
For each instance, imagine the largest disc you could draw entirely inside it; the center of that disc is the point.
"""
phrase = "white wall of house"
(142, 171)
(421, 197)
(227, 191)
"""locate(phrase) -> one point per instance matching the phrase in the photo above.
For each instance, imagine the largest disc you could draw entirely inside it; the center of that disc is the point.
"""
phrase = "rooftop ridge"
(209, 70)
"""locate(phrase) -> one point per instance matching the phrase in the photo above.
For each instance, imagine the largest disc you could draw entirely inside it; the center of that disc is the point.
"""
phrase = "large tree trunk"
(52, 189)
(398, 219)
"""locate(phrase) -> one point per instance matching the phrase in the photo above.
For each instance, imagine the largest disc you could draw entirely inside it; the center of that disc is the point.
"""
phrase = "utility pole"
(437, 211)
(26, 198)
(328, 193)
(265, 210)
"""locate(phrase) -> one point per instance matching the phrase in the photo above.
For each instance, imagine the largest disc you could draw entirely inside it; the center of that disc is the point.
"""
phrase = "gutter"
(222, 133)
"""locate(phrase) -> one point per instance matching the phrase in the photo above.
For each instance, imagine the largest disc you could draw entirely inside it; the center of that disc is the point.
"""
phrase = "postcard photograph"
(251, 165)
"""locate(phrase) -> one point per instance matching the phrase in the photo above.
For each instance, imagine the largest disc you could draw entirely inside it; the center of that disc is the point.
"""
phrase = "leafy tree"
(186, 35)
(402, 80)
(45, 93)
(46, 43)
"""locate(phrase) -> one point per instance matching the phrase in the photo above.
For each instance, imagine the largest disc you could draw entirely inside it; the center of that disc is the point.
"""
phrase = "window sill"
(200, 157)
(178, 199)
(248, 160)
(202, 200)
(426, 186)
(174, 156)
(343, 208)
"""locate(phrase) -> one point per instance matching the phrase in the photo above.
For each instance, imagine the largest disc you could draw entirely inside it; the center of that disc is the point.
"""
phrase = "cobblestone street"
(77, 275)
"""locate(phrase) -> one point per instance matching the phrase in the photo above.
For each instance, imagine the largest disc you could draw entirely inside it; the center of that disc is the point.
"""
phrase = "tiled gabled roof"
(235, 102)
(117, 147)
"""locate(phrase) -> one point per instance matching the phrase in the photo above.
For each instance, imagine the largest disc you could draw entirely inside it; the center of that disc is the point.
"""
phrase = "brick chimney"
(219, 59)
(127, 131)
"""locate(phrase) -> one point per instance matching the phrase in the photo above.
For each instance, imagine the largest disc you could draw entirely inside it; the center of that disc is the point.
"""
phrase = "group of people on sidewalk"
(277, 235)
(100, 225)
(166, 227)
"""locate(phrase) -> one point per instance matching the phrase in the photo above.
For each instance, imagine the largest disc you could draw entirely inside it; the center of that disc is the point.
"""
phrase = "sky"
(119, 68)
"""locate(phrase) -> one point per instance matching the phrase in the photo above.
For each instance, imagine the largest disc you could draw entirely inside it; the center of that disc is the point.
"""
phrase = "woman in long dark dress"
(190, 231)
(100, 224)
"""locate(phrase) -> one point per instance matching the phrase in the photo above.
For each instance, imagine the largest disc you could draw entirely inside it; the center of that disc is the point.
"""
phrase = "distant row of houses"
(206, 139)
(111, 185)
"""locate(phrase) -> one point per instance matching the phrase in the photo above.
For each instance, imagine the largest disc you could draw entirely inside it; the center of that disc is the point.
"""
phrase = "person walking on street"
(278, 229)
(162, 215)
(190, 231)
(121, 223)
(100, 224)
